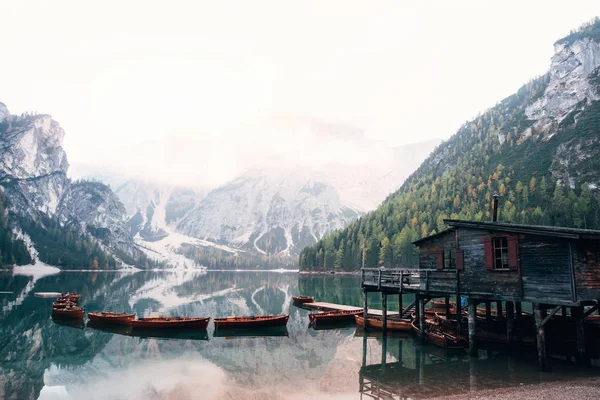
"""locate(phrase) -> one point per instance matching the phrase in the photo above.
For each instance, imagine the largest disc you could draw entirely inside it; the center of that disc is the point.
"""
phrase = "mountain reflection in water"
(51, 359)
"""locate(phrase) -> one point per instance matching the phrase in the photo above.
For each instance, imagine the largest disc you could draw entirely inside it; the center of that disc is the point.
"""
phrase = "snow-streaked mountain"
(269, 212)
(33, 179)
(287, 198)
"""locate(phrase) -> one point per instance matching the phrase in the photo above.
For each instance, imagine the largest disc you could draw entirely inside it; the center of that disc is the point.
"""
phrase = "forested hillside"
(544, 175)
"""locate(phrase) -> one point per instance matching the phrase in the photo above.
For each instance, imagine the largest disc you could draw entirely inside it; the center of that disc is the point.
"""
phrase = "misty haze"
(300, 200)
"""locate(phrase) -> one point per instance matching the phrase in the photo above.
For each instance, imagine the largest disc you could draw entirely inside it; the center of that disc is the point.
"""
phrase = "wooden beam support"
(365, 309)
(416, 304)
(384, 312)
(364, 355)
(499, 309)
(447, 299)
(547, 317)
(488, 310)
(422, 319)
(510, 321)
(400, 305)
(518, 310)
(383, 352)
(578, 316)
(458, 315)
(472, 310)
(540, 336)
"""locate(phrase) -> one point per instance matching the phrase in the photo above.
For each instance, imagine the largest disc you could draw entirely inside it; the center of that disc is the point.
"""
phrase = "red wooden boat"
(251, 322)
(333, 316)
(303, 299)
(393, 324)
(74, 297)
(111, 317)
(68, 312)
(171, 323)
(63, 304)
(441, 336)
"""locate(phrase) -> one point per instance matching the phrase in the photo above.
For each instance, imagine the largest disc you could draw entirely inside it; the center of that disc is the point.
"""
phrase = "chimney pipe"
(495, 208)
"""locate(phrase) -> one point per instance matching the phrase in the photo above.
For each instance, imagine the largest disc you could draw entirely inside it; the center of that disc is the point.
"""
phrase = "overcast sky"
(133, 83)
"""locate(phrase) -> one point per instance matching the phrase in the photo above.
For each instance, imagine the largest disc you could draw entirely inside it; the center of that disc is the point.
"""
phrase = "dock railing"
(410, 280)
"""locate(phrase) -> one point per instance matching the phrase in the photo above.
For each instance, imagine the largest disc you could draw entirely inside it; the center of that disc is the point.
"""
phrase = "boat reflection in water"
(170, 334)
(274, 331)
(410, 371)
(127, 330)
(111, 328)
(71, 323)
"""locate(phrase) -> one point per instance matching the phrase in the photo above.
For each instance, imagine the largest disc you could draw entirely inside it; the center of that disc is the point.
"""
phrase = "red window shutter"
(513, 255)
(488, 253)
(439, 259)
(460, 260)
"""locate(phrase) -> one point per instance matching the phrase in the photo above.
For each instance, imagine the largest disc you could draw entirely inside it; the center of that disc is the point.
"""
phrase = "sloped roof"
(555, 231)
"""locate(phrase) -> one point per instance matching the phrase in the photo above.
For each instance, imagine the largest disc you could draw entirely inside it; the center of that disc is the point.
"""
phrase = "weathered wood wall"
(476, 278)
(586, 260)
(545, 267)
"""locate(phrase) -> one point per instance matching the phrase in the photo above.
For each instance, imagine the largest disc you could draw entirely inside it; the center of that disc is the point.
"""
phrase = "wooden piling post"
(384, 312)
(421, 306)
(488, 310)
(458, 304)
(519, 310)
(417, 311)
(383, 353)
(499, 309)
(540, 336)
(400, 305)
(510, 321)
(577, 315)
(472, 310)
(563, 311)
(365, 309)
(364, 355)
(447, 299)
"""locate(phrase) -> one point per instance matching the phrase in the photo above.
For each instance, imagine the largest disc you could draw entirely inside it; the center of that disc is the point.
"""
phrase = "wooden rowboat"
(251, 322)
(441, 336)
(74, 297)
(171, 323)
(393, 324)
(111, 317)
(63, 304)
(303, 299)
(333, 316)
(68, 312)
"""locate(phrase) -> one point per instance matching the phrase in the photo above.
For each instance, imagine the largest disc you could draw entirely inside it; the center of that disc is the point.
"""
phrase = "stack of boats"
(66, 307)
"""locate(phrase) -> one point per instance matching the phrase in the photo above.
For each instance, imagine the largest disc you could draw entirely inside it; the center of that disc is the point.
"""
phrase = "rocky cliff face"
(33, 176)
(268, 213)
(573, 70)
(97, 210)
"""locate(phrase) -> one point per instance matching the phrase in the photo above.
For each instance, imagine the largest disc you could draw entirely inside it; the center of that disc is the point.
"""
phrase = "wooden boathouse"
(553, 268)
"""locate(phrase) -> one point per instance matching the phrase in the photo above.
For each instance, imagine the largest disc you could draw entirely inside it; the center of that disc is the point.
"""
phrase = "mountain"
(271, 213)
(539, 149)
(329, 176)
(64, 223)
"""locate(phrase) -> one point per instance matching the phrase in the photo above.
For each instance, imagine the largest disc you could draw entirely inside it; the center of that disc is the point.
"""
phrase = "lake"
(43, 359)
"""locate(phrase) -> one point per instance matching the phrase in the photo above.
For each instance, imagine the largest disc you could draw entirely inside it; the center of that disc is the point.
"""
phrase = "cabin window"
(501, 253)
(500, 245)
(449, 259)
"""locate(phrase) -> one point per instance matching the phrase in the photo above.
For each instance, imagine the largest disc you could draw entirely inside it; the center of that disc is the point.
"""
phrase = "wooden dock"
(324, 306)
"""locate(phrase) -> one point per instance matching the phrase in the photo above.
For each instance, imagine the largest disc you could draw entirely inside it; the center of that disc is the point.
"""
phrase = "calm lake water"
(41, 359)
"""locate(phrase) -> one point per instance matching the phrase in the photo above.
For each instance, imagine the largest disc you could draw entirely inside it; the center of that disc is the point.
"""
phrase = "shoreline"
(579, 388)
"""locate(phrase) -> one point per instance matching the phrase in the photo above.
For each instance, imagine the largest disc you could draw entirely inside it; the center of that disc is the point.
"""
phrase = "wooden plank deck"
(324, 306)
